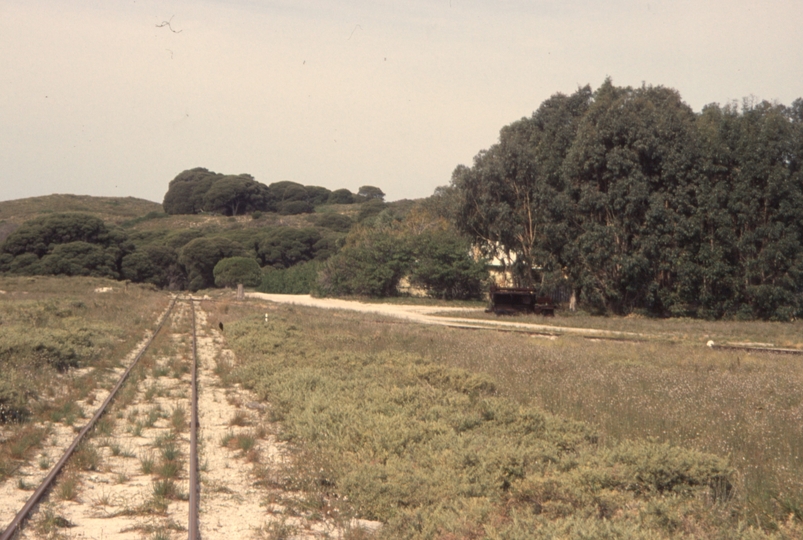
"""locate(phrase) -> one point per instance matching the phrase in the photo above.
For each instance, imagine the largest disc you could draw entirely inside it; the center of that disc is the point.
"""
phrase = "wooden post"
(240, 293)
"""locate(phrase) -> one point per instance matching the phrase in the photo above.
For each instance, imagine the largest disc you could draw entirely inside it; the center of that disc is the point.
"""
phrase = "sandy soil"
(231, 505)
(15, 491)
(118, 501)
(427, 315)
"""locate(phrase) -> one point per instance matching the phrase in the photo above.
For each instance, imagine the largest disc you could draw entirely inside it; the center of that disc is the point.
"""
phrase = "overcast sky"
(116, 98)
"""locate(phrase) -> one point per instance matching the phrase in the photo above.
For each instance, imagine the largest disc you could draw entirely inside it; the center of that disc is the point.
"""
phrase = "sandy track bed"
(130, 490)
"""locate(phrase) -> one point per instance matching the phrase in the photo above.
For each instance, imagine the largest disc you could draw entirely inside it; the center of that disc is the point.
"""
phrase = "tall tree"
(513, 200)
(632, 170)
(234, 195)
(753, 254)
(186, 192)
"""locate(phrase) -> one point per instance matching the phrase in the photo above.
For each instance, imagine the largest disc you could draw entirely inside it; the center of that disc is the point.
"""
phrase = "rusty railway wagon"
(511, 300)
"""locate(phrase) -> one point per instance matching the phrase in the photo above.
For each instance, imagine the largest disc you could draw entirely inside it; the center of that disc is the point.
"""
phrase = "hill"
(110, 209)
(134, 239)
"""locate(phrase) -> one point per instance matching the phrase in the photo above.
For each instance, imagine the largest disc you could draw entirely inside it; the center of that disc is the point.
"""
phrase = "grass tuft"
(86, 457)
(67, 487)
(178, 419)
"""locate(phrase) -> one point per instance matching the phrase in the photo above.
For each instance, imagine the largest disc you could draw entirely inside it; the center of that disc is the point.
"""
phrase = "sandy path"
(116, 500)
(426, 315)
(231, 505)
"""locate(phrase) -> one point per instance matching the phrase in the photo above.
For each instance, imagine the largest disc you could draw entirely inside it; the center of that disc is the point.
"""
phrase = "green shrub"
(445, 268)
(70, 244)
(200, 256)
(298, 279)
(284, 247)
(341, 196)
(372, 263)
(15, 391)
(335, 222)
(234, 270)
(292, 208)
(432, 451)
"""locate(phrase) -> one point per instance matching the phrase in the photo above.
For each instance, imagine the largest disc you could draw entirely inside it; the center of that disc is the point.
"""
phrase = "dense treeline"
(624, 197)
(638, 204)
(73, 244)
(199, 190)
(76, 244)
(372, 244)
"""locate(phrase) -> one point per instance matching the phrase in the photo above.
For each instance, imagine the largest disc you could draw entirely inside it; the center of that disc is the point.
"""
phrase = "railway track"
(17, 527)
(175, 450)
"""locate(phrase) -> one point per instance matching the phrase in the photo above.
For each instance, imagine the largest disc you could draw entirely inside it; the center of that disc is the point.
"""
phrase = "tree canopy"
(200, 256)
(235, 195)
(69, 243)
(420, 245)
(635, 202)
(232, 271)
(370, 193)
(199, 190)
(185, 193)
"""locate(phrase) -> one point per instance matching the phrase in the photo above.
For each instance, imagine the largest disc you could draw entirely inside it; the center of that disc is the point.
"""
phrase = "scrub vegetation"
(445, 433)
(58, 338)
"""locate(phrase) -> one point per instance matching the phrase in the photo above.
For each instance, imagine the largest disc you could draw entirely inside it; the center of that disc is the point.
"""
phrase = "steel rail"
(748, 348)
(17, 523)
(192, 527)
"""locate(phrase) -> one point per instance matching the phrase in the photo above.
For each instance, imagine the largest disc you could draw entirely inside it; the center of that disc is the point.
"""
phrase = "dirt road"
(435, 315)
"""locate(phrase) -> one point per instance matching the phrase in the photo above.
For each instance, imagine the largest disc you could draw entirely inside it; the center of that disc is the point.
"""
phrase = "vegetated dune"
(113, 209)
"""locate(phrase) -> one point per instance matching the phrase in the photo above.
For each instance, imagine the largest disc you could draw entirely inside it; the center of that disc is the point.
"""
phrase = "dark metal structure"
(512, 300)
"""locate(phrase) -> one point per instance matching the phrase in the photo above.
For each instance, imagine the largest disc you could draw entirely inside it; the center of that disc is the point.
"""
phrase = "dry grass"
(674, 330)
(52, 325)
(734, 405)
(110, 209)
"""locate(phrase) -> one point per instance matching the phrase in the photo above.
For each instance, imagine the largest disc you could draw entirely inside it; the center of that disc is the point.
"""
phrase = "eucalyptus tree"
(752, 252)
(632, 173)
(513, 201)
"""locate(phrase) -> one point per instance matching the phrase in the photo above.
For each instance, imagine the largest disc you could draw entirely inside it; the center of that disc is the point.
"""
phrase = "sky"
(115, 98)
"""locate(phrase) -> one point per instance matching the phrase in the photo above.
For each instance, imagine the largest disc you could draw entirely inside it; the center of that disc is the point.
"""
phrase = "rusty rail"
(750, 348)
(22, 515)
(194, 488)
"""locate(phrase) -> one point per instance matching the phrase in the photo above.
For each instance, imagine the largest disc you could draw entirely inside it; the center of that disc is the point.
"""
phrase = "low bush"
(298, 279)
(434, 452)
(235, 270)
